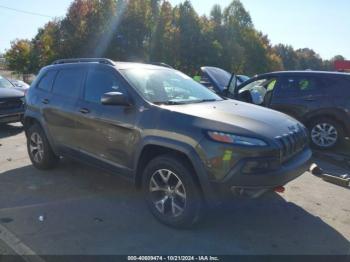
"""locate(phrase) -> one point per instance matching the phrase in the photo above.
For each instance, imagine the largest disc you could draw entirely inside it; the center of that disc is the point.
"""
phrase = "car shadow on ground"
(10, 130)
(87, 211)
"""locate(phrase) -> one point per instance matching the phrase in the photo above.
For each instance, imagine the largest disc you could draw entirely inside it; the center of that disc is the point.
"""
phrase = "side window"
(68, 82)
(292, 86)
(307, 84)
(99, 82)
(47, 81)
(299, 86)
(337, 86)
(261, 85)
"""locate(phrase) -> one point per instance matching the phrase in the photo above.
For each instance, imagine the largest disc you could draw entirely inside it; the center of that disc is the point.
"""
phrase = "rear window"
(47, 81)
(68, 82)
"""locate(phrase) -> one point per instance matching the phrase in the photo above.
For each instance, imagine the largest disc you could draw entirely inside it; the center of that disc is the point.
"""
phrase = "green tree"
(153, 30)
(19, 57)
(338, 58)
(308, 59)
(46, 45)
(188, 39)
(288, 56)
(216, 15)
(163, 39)
(135, 30)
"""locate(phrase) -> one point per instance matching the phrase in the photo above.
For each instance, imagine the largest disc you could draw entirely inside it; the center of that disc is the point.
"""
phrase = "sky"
(322, 25)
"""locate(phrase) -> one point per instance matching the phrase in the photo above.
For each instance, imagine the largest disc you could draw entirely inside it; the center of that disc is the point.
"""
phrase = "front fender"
(192, 155)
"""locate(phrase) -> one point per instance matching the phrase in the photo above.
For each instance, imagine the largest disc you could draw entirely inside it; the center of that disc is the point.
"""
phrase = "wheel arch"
(30, 119)
(332, 114)
(154, 147)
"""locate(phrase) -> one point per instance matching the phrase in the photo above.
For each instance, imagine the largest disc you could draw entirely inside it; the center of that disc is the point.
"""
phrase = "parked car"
(181, 143)
(20, 85)
(11, 103)
(317, 99)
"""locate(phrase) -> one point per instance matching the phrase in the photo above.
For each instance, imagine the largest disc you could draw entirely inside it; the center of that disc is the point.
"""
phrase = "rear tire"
(171, 192)
(325, 133)
(39, 149)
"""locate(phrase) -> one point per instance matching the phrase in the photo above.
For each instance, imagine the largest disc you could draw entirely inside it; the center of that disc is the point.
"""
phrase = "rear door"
(61, 109)
(298, 95)
(43, 94)
(106, 133)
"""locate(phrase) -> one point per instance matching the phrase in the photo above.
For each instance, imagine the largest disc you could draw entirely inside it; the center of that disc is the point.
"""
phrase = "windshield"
(4, 83)
(167, 86)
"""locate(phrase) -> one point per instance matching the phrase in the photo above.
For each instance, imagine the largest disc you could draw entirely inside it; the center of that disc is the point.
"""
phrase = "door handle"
(84, 111)
(45, 101)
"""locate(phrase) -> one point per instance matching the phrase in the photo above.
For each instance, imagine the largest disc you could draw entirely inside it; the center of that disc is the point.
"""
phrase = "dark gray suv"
(178, 141)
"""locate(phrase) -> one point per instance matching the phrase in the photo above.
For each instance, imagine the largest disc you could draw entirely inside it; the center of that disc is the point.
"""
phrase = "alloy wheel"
(168, 193)
(324, 135)
(36, 147)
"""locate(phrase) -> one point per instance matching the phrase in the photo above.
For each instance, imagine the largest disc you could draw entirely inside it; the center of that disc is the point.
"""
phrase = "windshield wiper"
(171, 102)
(168, 103)
(204, 100)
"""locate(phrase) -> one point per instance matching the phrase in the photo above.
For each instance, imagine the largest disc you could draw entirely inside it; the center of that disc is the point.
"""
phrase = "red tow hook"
(280, 189)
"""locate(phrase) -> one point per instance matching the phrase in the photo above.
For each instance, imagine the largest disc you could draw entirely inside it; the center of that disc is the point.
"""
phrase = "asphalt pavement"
(75, 209)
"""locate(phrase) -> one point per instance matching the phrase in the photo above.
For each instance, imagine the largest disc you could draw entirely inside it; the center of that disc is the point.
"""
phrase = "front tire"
(171, 192)
(325, 133)
(39, 149)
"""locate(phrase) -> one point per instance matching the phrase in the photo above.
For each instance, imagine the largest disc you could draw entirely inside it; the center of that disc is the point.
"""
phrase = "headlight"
(235, 139)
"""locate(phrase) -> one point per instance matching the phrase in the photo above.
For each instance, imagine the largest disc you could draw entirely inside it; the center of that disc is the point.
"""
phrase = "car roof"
(305, 72)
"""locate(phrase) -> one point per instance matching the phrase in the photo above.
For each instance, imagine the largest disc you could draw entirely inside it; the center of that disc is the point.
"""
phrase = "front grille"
(291, 144)
(13, 103)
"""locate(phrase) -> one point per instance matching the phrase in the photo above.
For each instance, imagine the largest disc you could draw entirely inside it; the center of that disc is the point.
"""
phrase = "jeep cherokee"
(181, 143)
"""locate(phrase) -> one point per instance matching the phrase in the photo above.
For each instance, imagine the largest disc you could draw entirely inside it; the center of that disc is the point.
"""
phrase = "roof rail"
(84, 60)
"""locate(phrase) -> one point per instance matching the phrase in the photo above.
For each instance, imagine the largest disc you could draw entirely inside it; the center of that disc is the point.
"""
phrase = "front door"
(106, 132)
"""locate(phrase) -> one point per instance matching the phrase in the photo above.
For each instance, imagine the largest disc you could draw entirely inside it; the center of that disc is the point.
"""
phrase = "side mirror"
(115, 99)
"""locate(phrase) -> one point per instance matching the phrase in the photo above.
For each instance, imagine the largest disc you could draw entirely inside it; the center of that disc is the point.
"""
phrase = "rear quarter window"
(336, 85)
(68, 82)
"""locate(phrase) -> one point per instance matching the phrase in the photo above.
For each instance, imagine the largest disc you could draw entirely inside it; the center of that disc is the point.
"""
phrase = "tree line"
(156, 31)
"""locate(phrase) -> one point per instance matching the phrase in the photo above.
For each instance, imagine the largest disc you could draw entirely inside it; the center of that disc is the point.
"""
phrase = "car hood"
(218, 77)
(10, 93)
(239, 117)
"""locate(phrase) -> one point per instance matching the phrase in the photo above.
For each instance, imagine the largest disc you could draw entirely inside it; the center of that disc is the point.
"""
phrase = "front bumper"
(12, 117)
(236, 181)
